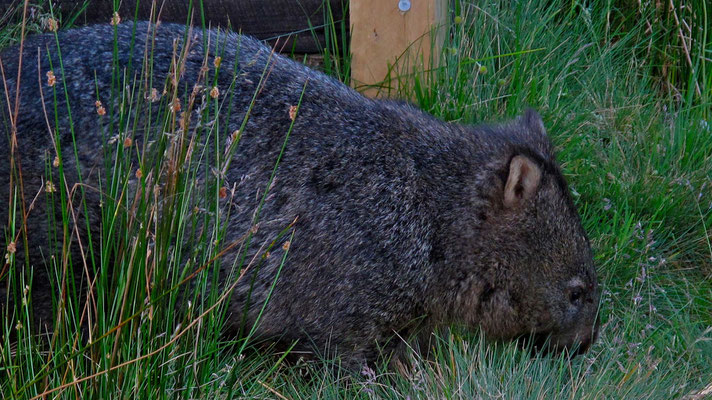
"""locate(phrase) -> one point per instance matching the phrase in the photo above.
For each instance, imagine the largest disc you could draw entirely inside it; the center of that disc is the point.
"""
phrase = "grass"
(629, 109)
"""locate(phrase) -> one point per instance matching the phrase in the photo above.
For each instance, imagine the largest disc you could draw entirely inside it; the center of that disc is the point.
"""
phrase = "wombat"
(402, 223)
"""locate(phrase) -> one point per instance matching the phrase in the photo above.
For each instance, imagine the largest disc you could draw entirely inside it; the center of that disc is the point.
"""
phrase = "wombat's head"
(535, 275)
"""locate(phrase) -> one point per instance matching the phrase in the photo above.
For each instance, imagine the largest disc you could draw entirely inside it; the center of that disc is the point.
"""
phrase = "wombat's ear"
(533, 121)
(522, 182)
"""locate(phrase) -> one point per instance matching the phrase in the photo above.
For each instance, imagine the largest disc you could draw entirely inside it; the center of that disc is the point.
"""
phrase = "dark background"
(286, 20)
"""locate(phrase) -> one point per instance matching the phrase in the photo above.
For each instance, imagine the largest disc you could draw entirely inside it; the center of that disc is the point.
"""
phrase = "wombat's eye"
(575, 295)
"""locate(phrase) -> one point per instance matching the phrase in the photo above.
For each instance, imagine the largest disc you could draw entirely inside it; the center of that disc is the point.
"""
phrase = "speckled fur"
(400, 216)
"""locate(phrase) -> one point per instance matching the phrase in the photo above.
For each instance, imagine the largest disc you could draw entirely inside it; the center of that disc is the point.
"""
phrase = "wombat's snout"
(590, 339)
(574, 343)
(586, 336)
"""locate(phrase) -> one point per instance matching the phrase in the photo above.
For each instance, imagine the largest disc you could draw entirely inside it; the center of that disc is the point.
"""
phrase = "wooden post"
(390, 39)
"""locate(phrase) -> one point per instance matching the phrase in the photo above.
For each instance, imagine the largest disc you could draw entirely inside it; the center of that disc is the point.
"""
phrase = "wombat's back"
(346, 174)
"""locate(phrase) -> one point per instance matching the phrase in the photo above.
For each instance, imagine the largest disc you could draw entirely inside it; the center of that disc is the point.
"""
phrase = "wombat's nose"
(588, 340)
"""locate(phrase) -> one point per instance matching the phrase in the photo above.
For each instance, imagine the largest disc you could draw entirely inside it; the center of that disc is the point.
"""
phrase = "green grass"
(632, 122)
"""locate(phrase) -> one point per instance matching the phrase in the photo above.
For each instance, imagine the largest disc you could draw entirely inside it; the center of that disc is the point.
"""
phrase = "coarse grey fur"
(402, 221)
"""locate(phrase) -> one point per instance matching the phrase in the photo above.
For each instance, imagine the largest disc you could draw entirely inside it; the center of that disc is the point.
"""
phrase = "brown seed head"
(182, 120)
(51, 79)
(52, 25)
(99, 108)
(153, 95)
(49, 187)
(175, 105)
(115, 19)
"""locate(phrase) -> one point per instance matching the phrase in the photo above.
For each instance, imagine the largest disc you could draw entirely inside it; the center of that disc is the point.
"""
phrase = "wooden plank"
(388, 44)
(268, 20)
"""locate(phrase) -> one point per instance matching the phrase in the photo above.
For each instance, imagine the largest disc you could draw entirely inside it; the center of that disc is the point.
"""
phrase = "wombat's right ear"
(523, 181)
(533, 121)
(534, 127)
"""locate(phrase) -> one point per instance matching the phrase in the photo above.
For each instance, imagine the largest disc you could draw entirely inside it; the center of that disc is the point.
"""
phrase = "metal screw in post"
(404, 5)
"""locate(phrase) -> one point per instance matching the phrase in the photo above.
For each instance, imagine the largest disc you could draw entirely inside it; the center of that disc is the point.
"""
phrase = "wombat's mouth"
(573, 344)
(544, 344)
